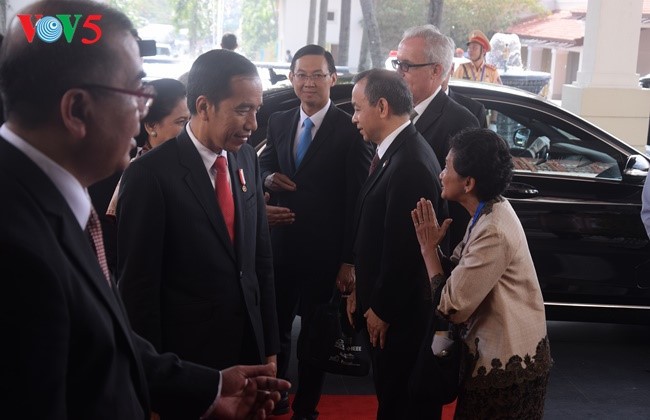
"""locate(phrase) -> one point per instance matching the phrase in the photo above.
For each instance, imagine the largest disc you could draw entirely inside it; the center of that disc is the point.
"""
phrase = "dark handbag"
(332, 343)
(436, 377)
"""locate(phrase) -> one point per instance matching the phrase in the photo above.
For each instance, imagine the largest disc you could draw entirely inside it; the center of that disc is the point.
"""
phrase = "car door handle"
(519, 190)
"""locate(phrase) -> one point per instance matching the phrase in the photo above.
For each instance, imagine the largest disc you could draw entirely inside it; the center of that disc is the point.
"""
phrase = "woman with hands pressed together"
(492, 294)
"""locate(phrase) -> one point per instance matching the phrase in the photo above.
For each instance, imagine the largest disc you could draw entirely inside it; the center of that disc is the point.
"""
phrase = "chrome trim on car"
(597, 305)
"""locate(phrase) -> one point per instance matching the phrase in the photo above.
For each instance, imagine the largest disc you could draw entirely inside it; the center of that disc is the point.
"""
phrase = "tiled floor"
(601, 371)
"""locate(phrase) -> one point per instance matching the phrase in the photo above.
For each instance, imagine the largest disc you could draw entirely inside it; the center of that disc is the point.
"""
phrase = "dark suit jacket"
(475, 107)
(328, 183)
(441, 120)
(69, 351)
(391, 276)
(185, 286)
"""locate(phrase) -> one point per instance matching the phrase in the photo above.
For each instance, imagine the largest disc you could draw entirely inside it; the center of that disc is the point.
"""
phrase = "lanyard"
(477, 213)
(474, 74)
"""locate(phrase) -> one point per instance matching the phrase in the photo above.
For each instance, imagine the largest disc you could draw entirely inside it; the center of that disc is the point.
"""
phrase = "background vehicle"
(577, 191)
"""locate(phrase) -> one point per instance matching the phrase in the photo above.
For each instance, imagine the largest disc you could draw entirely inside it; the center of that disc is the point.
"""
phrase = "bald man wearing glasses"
(424, 59)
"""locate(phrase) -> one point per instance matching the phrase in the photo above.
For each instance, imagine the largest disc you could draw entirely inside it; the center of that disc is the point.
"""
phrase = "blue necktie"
(304, 141)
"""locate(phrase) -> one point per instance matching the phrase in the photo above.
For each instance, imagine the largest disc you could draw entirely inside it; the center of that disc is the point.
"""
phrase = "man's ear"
(202, 107)
(76, 107)
(382, 105)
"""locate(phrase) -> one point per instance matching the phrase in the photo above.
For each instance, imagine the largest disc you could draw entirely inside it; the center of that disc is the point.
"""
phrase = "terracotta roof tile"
(562, 27)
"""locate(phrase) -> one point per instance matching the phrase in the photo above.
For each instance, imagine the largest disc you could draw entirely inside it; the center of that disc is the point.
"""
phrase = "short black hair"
(211, 74)
(229, 41)
(312, 49)
(485, 156)
(168, 93)
(389, 85)
(34, 76)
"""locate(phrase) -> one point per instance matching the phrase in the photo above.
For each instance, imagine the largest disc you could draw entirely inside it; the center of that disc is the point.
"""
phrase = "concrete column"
(558, 70)
(606, 91)
(535, 58)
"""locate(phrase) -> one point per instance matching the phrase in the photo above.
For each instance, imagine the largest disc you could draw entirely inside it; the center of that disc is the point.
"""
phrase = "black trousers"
(392, 367)
(295, 296)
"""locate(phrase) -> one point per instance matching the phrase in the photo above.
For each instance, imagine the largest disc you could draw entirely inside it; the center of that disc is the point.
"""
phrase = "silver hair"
(440, 47)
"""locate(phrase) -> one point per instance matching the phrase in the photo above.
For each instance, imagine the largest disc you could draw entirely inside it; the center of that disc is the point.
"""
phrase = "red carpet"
(355, 407)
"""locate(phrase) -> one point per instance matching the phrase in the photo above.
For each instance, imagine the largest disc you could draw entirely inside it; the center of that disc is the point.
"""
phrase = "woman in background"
(164, 121)
(492, 294)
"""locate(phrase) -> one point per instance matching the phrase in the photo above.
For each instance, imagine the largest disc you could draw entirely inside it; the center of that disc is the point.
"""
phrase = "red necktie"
(224, 195)
(373, 164)
(94, 231)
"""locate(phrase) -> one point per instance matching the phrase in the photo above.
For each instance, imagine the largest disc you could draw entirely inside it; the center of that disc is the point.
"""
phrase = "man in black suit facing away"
(424, 58)
(72, 110)
(194, 253)
(314, 164)
(392, 288)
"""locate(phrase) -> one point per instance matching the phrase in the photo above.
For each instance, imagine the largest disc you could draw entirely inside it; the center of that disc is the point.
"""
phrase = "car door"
(579, 212)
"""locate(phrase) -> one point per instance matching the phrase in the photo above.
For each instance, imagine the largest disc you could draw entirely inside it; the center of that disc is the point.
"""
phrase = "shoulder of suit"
(490, 66)
(284, 114)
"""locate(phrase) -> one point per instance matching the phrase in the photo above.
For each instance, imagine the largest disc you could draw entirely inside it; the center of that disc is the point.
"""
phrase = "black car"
(576, 190)
(645, 81)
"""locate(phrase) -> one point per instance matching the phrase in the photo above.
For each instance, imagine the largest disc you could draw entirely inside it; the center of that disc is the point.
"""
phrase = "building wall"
(294, 25)
(643, 64)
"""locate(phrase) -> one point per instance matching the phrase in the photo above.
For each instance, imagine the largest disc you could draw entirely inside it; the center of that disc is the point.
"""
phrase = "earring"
(154, 134)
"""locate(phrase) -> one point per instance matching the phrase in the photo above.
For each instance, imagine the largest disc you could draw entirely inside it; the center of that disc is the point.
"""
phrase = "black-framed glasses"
(145, 95)
(405, 67)
(316, 77)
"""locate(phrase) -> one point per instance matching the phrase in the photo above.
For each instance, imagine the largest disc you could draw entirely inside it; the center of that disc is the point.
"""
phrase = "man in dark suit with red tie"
(314, 164)
(392, 287)
(194, 253)
(69, 351)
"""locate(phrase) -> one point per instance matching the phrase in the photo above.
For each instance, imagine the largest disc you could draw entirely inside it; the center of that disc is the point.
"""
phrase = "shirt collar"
(385, 144)
(70, 188)
(317, 118)
(207, 156)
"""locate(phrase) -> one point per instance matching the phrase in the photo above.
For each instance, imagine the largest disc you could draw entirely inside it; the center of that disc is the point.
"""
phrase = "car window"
(544, 144)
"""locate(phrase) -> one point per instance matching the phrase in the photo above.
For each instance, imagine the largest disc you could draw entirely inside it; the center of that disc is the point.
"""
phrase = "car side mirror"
(636, 168)
(521, 136)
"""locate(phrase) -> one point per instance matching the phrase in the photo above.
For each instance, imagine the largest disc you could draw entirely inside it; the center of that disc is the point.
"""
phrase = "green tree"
(191, 14)
(434, 16)
(458, 18)
(372, 31)
(259, 27)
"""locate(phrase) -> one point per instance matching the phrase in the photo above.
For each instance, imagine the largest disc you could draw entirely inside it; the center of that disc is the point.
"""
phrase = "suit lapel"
(238, 183)
(72, 239)
(381, 168)
(198, 181)
(432, 113)
(323, 133)
(285, 148)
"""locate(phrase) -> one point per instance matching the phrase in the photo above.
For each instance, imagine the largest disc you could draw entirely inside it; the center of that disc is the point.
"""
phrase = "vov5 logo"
(50, 28)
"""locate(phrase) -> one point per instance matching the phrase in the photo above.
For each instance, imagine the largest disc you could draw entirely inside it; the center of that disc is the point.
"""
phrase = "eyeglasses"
(405, 67)
(145, 95)
(316, 77)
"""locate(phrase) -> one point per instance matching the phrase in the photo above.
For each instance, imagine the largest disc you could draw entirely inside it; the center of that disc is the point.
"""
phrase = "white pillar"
(558, 72)
(606, 91)
(535, 58)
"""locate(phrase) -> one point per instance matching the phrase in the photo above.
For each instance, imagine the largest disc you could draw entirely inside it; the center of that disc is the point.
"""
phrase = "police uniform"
(485, 72)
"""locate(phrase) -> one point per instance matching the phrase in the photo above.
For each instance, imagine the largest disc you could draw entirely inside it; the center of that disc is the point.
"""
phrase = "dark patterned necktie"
(94, 231)
(373, 164)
